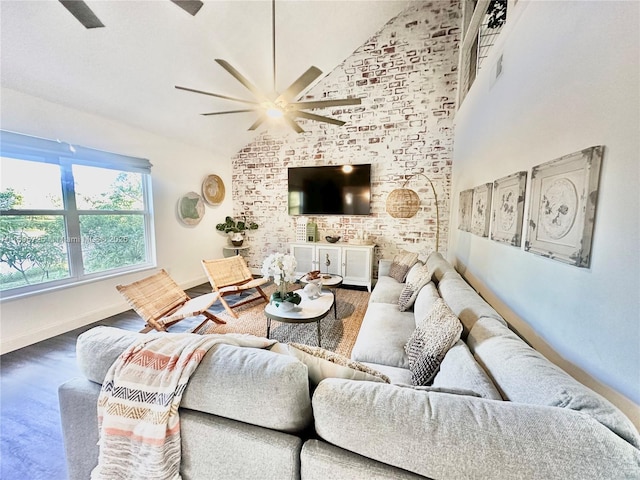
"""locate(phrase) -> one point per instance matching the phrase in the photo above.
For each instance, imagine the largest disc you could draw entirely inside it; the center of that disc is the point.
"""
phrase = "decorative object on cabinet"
(332, 238)
(213, 190)
(301, 229)
(405, 203)
(464, 210)
(312, 232)
(508, 208)
(480, 216)
(564, 194)
(190, 209)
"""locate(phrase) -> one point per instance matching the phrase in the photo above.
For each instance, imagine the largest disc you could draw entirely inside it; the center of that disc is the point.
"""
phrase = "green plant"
(230, 225)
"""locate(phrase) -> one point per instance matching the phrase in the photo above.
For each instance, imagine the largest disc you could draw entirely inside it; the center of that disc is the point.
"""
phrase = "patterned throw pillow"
(430, 341)
(326, 364)
(401, 264)
(418, 277)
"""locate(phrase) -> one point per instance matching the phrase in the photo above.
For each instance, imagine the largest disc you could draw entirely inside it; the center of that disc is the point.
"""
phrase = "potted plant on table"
(235, 229)
(282, 267)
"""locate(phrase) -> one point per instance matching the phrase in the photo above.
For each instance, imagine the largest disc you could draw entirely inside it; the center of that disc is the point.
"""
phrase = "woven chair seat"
(161, 302)
(232, 275)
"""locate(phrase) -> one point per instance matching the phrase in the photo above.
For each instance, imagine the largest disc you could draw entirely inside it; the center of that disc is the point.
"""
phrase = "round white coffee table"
(309, 310)
(332, 282)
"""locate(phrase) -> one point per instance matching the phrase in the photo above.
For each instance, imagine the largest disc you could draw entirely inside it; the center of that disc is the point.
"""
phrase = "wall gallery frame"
(508, 209)
(464, 210)
(480, 216)
(564, 194)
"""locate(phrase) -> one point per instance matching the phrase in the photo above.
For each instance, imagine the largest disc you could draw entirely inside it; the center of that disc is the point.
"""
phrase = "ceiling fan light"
(275, 112)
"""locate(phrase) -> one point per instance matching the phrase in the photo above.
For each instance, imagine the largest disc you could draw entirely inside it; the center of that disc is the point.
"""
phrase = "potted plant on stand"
(236, 229)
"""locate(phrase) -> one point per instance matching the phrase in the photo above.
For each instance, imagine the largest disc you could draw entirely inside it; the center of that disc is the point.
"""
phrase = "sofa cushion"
(396, 375)
(418, 277)
(387, 290)
(401, 264)
(463, 300)
(326, 364)
(523, 375)
(438, 265)
(431, 340)
(383, 334)
(230, 381)
(459, 369)
(425, 300)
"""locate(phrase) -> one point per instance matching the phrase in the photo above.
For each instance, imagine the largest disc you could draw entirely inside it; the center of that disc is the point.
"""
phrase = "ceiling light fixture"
(277, 105)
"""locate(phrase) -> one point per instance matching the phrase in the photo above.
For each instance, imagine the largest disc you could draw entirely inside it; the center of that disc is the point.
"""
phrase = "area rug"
(337, 335)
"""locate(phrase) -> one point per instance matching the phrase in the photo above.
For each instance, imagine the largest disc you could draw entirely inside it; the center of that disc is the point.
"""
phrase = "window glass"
(29, 185)
(104, 189)
(33, 250)
(112, 241)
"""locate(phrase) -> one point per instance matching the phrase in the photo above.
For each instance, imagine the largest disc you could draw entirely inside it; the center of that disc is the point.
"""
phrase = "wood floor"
(30, 430)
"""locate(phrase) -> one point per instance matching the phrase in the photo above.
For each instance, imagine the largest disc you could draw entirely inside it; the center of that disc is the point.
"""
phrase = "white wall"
(177, 169)
(570, 81)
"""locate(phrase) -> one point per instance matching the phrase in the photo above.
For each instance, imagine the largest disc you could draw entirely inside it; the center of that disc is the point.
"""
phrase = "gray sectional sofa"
(497, 409)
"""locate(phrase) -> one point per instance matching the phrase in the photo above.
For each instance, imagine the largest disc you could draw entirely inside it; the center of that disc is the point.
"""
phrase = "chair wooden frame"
(161, 302)
(231, 275)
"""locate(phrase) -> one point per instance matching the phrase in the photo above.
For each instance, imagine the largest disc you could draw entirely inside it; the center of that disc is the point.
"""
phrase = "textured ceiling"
(127, 71)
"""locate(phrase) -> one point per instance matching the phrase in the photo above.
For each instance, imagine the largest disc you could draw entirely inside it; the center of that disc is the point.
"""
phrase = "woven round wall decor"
(213, 190)
(403, 203)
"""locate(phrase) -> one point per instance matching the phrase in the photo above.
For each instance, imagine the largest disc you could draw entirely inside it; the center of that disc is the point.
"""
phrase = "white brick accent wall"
(406, 75)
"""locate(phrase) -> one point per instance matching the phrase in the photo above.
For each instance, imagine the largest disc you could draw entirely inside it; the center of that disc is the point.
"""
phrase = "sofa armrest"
(449, 436)
(383, 267)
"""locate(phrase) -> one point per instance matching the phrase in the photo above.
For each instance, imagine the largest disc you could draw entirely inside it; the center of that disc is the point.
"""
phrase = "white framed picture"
(464, 210)
(508, 209)
(480, 217)
(564, 194)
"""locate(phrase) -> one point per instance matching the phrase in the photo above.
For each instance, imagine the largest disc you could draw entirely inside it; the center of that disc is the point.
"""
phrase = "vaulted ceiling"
(127, 70)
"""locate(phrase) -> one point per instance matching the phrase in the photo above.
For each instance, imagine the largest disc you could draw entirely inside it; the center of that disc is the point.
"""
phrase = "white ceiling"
(127, 71)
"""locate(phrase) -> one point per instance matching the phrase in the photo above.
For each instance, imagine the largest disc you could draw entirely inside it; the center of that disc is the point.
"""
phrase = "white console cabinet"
(353, 262)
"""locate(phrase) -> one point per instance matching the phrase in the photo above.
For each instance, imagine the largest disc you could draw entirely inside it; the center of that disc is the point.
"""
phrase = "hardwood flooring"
(30, 432)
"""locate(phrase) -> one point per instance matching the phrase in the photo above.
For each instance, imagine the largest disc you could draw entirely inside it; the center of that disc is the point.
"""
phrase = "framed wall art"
(508, 209)
(564, 194)
(464, 210)
(480, 216)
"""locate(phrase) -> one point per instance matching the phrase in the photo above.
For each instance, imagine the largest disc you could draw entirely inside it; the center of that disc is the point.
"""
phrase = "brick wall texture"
(406, 76)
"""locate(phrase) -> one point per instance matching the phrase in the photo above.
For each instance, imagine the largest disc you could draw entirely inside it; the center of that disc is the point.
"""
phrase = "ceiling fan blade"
(301, 83)
(241, 78)
(258, 122)
(229, 111)
(217, 95)
(293, 124)
(318, 118)
(83, 13)
(190, 6)
(325, 103)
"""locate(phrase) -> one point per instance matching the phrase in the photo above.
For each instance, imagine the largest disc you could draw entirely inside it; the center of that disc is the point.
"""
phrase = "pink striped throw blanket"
(139, 400)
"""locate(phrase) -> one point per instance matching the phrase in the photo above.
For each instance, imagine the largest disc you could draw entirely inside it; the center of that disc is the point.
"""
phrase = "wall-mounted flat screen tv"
(330, 190)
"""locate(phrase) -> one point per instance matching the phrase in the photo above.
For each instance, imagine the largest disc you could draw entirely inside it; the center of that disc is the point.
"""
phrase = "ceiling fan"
(283, 105)
(86, 17)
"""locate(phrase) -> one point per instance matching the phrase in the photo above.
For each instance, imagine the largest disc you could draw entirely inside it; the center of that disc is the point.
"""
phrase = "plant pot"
(287, 304)
(237, 239)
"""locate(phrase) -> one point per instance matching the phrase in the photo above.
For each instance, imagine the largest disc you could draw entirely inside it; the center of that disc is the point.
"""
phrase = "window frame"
(24, 147)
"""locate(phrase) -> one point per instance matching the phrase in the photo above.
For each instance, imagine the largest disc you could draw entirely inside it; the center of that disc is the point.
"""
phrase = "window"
(483, 21)
(70, 214)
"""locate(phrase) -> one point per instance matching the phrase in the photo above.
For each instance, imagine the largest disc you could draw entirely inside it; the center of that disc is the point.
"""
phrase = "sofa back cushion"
(427, 296)
(464, 301)
(459, 370)
(438, 265)
(523, 375)
(232, 382)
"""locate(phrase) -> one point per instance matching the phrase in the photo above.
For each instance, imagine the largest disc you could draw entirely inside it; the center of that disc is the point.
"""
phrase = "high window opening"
(70, 214)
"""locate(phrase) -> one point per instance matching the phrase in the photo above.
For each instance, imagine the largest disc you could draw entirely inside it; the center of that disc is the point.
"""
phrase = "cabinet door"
(305, 257)
(333, 255)
(356, 266)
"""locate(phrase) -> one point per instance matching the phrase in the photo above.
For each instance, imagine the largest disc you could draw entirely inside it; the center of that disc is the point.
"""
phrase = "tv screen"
(330, 190)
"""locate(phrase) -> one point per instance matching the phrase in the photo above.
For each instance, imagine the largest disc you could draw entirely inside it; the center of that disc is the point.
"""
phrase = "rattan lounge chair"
(231, 275)
(161, 302)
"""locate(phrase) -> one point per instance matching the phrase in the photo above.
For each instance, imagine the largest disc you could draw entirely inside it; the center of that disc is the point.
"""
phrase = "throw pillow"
(418, 277)
(326, 364)
(433, 337)
(401, 264)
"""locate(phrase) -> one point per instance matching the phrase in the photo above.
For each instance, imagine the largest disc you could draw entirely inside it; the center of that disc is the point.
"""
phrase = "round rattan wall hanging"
(213, 190)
